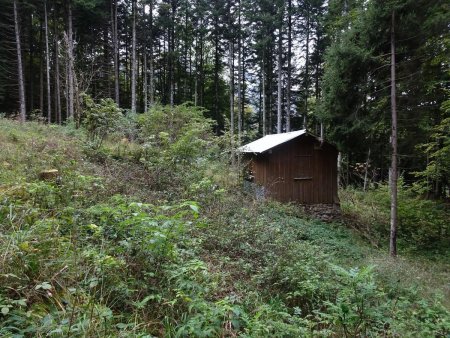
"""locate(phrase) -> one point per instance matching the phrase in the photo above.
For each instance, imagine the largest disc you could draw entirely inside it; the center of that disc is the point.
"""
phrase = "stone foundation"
(324, 212)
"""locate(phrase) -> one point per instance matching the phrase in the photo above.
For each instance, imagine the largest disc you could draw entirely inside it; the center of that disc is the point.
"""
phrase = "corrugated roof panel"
(270, 141)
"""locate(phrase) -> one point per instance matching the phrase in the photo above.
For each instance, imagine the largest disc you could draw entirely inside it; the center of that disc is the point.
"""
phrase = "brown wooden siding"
(301, 170)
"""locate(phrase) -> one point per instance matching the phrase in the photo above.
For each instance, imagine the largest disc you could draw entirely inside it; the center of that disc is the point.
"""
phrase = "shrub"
(422, 223)
(100, 119)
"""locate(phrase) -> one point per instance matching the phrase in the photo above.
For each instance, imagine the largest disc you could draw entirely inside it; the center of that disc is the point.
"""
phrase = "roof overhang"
(271, 141)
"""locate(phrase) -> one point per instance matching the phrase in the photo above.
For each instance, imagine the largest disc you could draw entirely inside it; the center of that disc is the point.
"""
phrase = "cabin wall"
(301, 170)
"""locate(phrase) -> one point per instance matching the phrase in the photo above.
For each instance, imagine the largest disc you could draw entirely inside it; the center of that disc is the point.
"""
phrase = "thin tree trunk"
(288, 93)
(186, 42)
(114, 34)
(239, 89)
(70, 113)
(339, 170)
(31, 66)
(19, 65)
(151, 84)
(47, 61)
(279, 96)
(216, 78)
(66, 78)
(305, 116)
(57, 89)
(145, 89)
(243, 85)
(231, 66)
(41, 70)
(196, 72)
(264, 123)
(133, 60)
(393, 232)
(171, 54)
(366, 171)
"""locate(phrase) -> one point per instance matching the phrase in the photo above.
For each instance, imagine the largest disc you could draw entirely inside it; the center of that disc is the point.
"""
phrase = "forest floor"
(106, 249)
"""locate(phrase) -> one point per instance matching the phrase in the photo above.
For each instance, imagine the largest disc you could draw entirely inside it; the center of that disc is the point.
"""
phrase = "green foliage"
(182, 133)
(100, 119)
(422, 223)
(435, 178)
(179, 138)
(83, 258)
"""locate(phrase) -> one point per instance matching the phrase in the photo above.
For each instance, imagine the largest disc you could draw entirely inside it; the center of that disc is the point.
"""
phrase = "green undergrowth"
(150, 235)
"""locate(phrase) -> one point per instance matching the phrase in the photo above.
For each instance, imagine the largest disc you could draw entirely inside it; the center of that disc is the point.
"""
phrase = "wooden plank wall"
(301, 170)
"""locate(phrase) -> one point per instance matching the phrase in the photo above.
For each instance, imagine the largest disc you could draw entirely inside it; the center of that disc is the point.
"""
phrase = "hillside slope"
(138, 240)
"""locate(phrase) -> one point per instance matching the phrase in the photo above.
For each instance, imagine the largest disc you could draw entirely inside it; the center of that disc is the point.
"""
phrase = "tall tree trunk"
(57, 89)
(263, 72)
(279, 96)
(239, 89)
(133, 59)
(196, 72)
(47, 62)
(115, 42)
(201, 76)
(393, 233)
(305, 116)
(145, 86)
(216, 77)
(151, 84)
(288, 93)
(41, 69)
(70, 113)
(19, 65)
(171, 54)
(231, 66)
(31, 65)
(185, 47)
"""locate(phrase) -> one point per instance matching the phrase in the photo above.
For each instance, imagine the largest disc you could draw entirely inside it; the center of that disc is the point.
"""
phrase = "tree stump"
(48, 175)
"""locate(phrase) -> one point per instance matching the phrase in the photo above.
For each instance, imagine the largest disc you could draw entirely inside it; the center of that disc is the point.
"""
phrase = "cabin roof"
(270, 141)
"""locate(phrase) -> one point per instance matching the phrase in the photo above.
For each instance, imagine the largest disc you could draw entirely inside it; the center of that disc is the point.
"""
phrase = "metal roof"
(270, 141)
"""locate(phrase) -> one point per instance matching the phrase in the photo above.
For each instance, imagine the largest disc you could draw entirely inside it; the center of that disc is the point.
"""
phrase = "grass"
(117, 247)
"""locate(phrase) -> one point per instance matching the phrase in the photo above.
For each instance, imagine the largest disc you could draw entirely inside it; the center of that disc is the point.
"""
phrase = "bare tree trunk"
(288, 93)
(305, 116)
(279, 98)
(393, 234)
(133, 60)
(47, 61)
(239, 89)
(66, 78)
(231, 66)
(145, 89)
(41, 70)
(57, 89)
(264, 122)
(31, 65)
(19, 65)
(151, 84)
(115, 42)
(196, 72)
(339, 170)
(70, 113)
(171, 54)
(366, 171)
(216, 78)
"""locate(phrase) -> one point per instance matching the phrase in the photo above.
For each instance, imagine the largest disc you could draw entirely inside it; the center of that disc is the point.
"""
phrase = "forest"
(124, 210)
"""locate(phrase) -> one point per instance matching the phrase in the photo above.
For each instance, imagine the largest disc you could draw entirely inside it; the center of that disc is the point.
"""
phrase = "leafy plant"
(100, 119)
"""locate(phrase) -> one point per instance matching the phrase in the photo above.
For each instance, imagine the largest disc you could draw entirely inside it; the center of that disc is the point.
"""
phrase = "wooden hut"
(294, 167)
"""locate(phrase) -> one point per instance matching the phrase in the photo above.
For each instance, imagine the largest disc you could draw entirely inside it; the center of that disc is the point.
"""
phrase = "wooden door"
(303, 175)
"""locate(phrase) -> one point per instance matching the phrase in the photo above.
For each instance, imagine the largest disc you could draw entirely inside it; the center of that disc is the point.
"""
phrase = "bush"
(100, 119)
(422, 223)
(178, 146)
